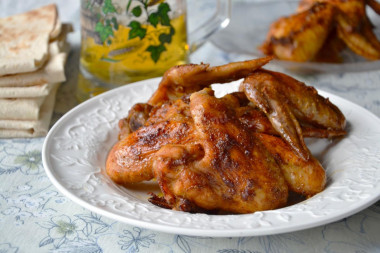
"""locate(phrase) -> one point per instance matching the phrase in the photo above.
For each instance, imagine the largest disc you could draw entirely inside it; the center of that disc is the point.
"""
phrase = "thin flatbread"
(20, 108)
(31, 128)
(56, 30)
(25, 92)
(24, 39)
(53, 70)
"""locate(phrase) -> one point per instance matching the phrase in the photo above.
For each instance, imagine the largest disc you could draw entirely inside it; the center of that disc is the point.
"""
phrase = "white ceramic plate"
(76, 148)
(250, 22)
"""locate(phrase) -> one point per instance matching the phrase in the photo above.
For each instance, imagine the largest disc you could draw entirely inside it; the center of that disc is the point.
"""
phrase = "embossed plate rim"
(66, 168)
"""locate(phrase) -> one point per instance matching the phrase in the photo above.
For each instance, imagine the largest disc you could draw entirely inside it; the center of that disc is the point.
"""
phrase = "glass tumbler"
(124, 41)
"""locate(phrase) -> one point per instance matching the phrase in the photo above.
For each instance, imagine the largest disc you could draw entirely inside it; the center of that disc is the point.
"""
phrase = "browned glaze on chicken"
(320, 29)
(301, 36)
(303, 177)
(138, 115)
(130, 160)
(186, 79)
(228, 169)
(239, 153)
(287, 103)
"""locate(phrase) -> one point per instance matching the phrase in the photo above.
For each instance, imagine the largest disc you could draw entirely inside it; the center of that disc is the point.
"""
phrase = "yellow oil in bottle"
(120, 60)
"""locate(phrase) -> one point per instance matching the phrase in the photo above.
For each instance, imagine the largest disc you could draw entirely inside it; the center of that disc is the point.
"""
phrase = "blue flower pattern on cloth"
(35, 217)
(29, 203)
(21, 158)
(133, 241)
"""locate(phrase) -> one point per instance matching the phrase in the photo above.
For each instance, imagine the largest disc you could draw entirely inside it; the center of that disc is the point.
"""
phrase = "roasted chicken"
(226, 168)
(289, 103)
(320, 29)
(233, 154)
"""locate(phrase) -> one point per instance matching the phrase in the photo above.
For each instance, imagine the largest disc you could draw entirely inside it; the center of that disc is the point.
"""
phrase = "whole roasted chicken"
(239, 153)
(321, 29)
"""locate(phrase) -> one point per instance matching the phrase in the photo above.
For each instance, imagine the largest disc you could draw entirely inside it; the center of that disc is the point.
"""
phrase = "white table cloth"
(36, 217)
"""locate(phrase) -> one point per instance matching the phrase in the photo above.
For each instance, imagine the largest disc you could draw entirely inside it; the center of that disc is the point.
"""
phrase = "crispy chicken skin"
(239, 153)
(186, 79)
(309, 34)
(138, 115)
(130, 160)
(304, 177)
(183, 80)
(287, 103)
(301, 36)
(228, 169)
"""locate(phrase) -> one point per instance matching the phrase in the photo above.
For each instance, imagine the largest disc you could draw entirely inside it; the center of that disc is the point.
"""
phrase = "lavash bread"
(25, 92)
(56, 30)
(20, 108)
(31, 74)
(52, 72)
(24, 39)
(31, 128)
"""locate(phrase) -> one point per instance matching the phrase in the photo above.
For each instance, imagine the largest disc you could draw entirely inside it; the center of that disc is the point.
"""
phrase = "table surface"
(36, 217)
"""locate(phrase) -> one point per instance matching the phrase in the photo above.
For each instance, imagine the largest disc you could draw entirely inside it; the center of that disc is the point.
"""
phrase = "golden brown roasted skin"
(164, 120)
(258, 122)
(185, 154)
(186, 79)
(331, 50)
(304, 177)
(169, 142)
(309, 34)
(287, 103)
(240, 153)
(137, 116)
(374, 5)
(228, 169)
(301, 36)
(130, 160)
(183, 80)
(352, 9)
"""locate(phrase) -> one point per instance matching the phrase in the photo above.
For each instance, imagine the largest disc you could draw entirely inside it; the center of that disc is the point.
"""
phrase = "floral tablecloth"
(36, 217)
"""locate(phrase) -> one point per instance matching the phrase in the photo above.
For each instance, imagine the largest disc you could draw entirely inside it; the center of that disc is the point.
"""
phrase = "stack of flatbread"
(33, 52)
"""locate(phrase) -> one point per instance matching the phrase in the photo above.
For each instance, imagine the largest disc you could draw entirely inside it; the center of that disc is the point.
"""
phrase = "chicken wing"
(287, 102)
(183, 80)
(239, 153)
(299, 37)
(353, 25)
(305, 35)
(186, 79)
(304, 177)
